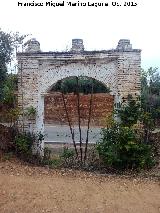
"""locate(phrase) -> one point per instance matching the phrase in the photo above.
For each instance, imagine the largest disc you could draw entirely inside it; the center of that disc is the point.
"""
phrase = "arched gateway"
(118, 69)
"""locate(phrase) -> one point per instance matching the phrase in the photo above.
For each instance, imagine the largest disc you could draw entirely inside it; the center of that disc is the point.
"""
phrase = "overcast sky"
(99, 27)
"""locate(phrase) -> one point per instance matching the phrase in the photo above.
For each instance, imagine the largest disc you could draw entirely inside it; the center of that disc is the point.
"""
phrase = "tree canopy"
(69, 85)
(150, 95)
(9, 42)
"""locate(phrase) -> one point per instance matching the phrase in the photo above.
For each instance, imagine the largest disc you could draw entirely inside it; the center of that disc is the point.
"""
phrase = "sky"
(99, 27)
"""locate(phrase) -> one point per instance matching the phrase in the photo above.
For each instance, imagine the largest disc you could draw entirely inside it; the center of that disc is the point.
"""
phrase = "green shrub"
(24, 143)
(68, 156)
(130, 112)
(31, 112)
(120, 149)
(53, 163)
(67, 153)
(47, 154)
(49, 160)
(28, 147)
(7, 156)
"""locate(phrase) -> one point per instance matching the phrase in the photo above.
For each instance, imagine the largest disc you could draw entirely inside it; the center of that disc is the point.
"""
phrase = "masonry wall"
(28, 80)
(118, 69)
(102, 107)
(128, 74)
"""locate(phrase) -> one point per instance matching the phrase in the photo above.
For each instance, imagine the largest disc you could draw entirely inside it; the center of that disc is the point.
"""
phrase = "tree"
(76, 85)
(150, 93)
(10, 86)
(80, 85)
(3, 71)
(69, 85)
(9, 42)
(130, 113)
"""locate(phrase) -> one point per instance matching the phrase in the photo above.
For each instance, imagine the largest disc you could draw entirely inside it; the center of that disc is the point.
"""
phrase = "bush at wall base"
(120, 149)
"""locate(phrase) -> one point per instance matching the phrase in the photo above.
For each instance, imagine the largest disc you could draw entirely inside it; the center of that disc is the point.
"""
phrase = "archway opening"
(69, 85)
(73, 102)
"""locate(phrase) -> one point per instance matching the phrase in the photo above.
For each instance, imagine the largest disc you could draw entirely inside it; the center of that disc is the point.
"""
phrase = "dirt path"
(25, 189)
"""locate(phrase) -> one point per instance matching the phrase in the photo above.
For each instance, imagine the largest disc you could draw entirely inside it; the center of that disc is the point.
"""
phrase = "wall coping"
(72, 55)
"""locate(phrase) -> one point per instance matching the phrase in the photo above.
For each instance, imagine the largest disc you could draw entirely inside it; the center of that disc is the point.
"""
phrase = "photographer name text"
(77, 4)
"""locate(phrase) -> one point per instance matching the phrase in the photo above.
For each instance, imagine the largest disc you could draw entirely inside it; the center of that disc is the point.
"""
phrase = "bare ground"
(27, 189)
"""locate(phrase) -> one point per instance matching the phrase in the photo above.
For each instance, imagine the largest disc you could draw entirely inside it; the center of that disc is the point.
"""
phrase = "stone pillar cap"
(32, 45)
(124, 44)
(77, 45)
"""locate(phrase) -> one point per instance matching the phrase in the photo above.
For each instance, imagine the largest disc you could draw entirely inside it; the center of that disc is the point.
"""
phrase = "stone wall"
(118, 69)
(102, 107)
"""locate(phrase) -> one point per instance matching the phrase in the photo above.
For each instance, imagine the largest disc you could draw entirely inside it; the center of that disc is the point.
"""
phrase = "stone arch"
(102, 72)
(49, 79)
(119, 69)
(72, 77)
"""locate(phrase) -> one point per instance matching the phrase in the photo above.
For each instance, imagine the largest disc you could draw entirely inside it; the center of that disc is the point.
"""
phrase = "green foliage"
(68, 156)
(147, 120)
(129, 114)
(24, 143)
(53, 163)
(31, 112)
(67, 153)
(69, 85)
(3, 75)
(9, 42)
(119, 149)
(40, 137)
(9, 89)
(47, 154)
(28, 147)
(148, 126)
(7, 156)
(9, 111)
(121, 146)
(150, 101)
(12, 115)
(150, 94)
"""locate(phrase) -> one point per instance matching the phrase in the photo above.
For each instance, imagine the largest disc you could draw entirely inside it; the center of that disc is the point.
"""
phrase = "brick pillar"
(129, 68)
